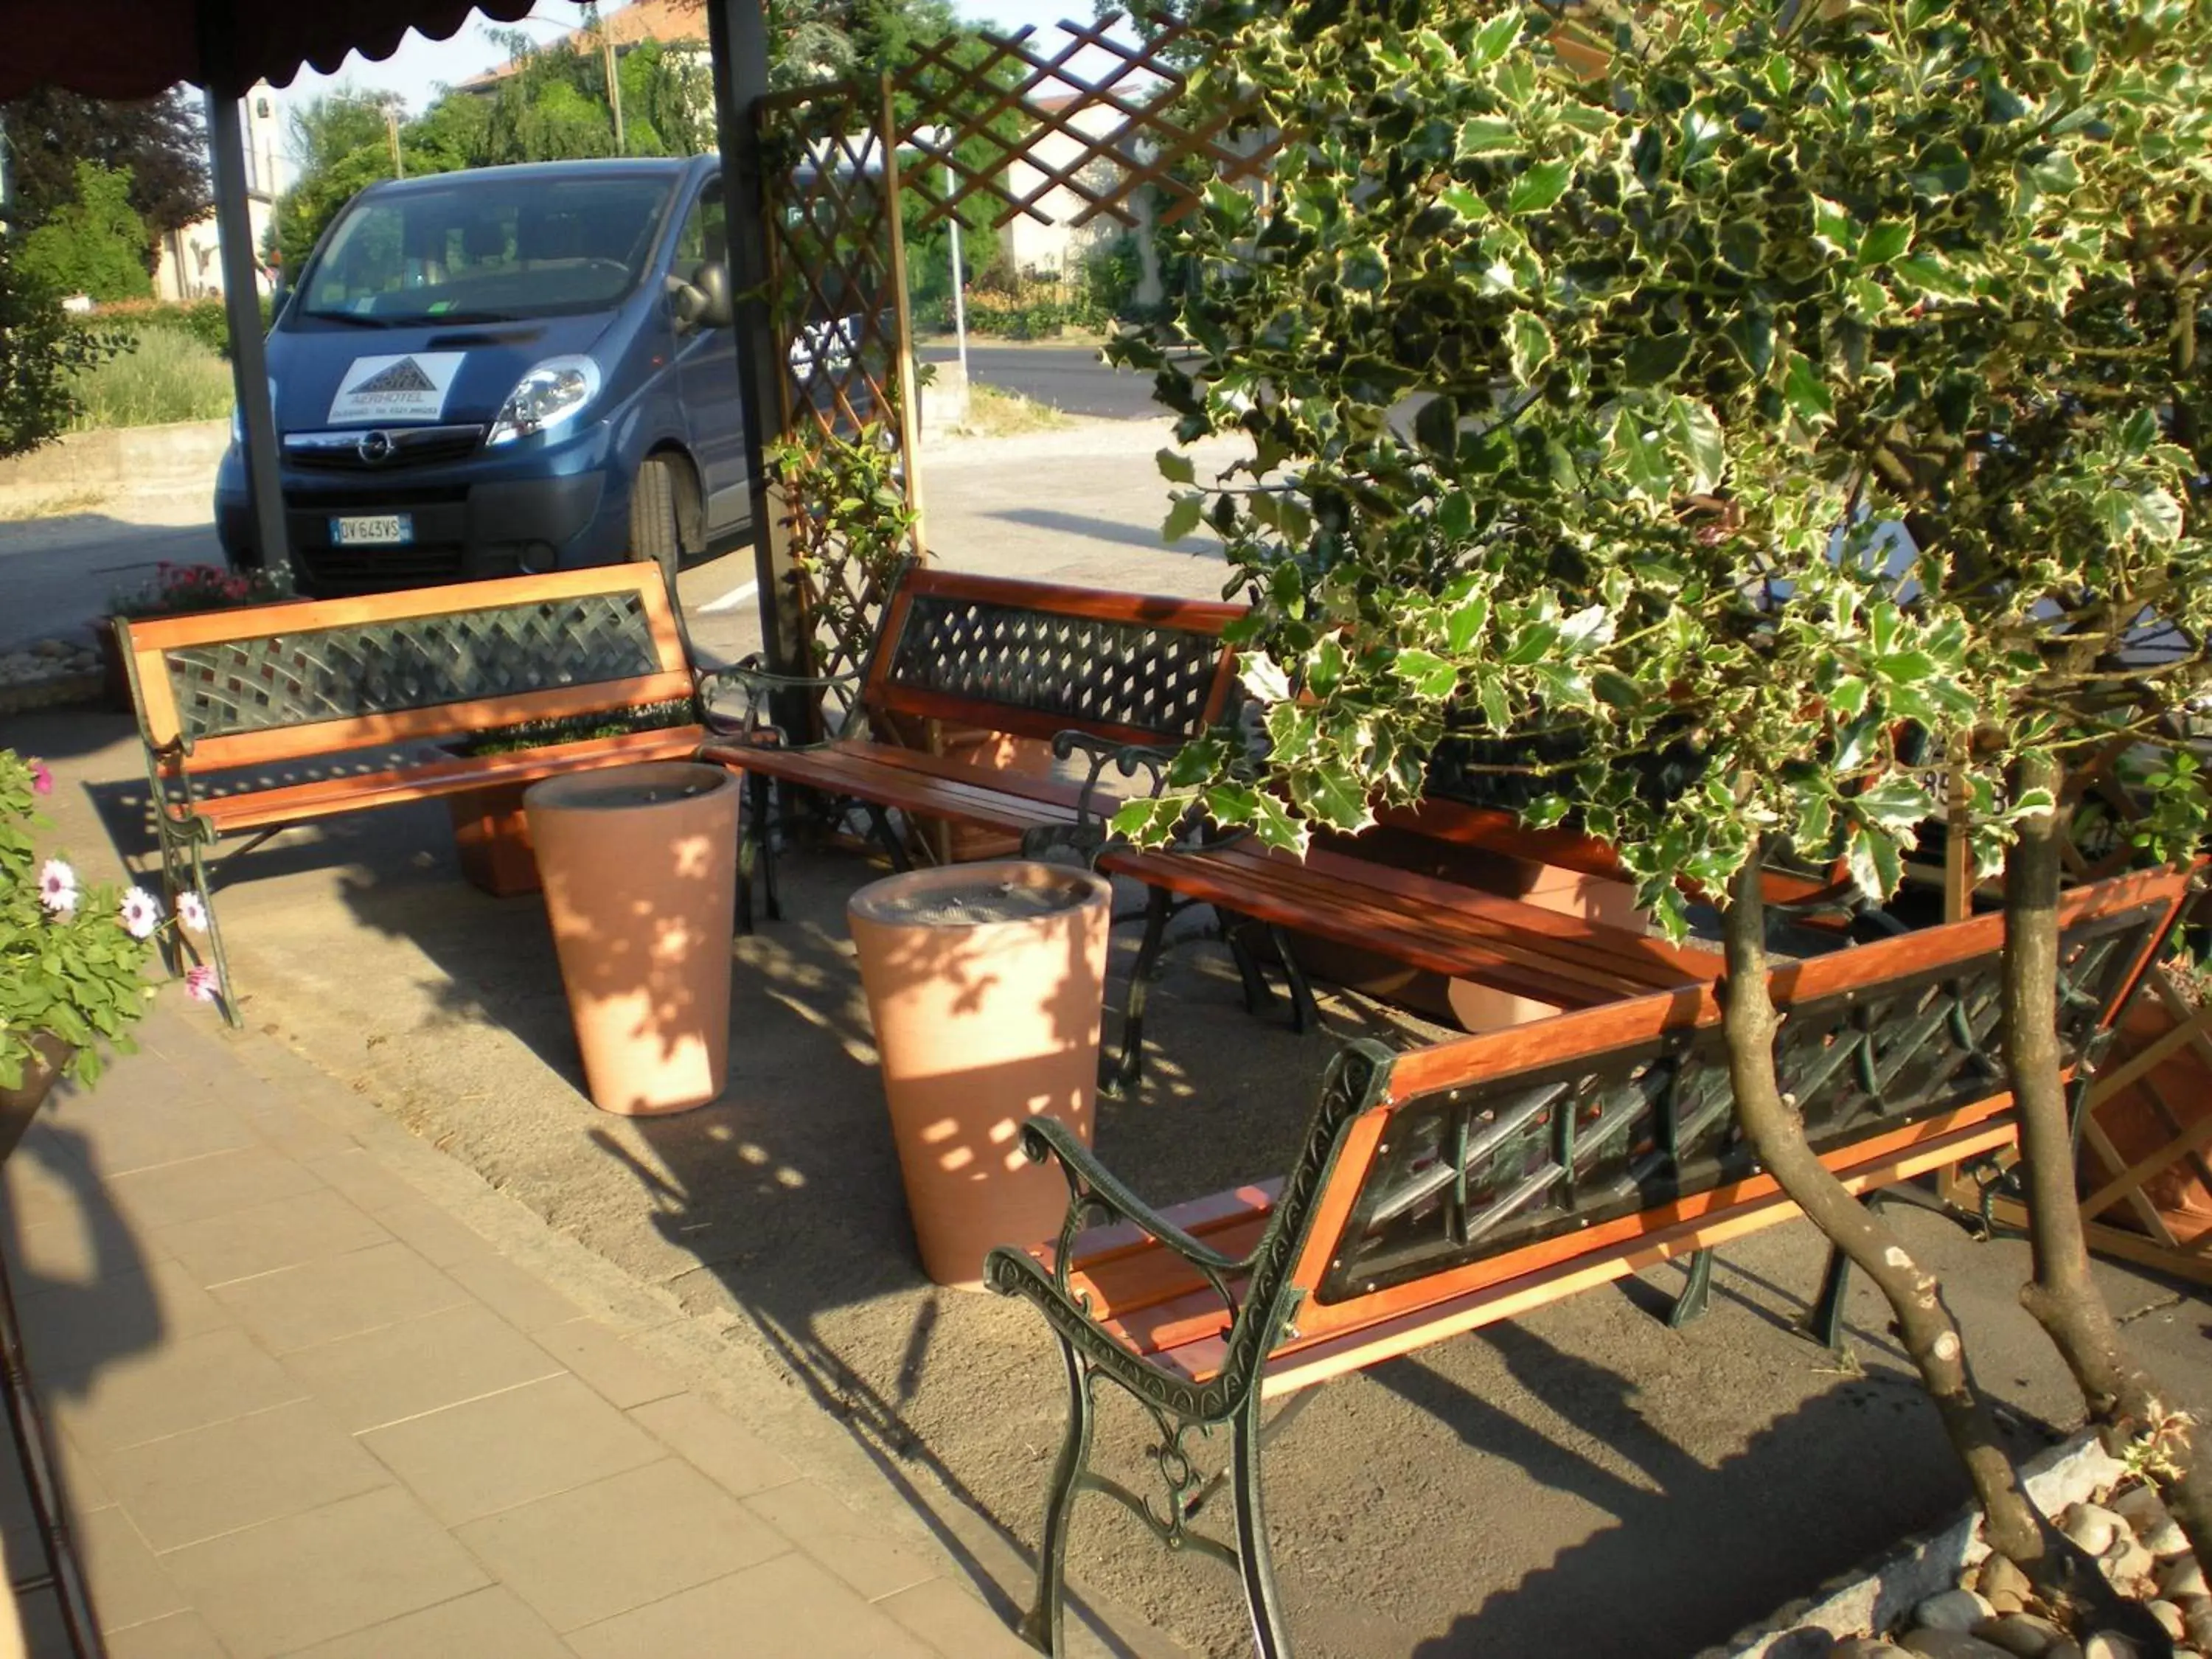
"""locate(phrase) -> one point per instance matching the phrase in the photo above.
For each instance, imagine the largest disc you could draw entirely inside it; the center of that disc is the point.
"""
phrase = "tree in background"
(96, 244)
(159, 144)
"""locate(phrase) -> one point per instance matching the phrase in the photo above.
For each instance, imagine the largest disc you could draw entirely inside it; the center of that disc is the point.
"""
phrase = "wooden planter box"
(2145, 1183)
(492, 837)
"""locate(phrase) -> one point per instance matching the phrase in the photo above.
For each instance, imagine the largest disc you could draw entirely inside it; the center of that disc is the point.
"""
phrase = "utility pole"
(391, 131)
(614, 82)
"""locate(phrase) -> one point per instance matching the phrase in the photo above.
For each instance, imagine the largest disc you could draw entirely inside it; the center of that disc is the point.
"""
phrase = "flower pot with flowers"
(178, 590)
(73, 958)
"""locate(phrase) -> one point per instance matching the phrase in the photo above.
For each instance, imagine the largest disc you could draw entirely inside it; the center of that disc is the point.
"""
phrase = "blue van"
(512, 369)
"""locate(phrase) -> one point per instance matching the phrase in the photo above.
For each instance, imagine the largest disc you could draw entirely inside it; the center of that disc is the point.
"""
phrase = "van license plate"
(381, 529)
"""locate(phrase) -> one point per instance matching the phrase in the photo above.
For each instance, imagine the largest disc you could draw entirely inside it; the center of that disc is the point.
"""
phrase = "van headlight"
(554, 392)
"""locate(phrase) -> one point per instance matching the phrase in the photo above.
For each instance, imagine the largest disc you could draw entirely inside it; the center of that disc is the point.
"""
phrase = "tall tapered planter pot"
(984, 984)
(639, 865)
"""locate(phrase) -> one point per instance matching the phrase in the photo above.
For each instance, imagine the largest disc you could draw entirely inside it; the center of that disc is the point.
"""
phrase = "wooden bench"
(258, 719)
(1443, 1188)
(1137, 674)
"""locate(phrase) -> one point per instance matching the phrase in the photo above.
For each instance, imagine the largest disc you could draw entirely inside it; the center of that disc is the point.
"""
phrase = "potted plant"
(72, 958)
(1703, 304)
(178, 590)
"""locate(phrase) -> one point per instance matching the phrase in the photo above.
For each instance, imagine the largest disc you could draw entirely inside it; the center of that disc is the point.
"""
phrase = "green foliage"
(41, 356)
(851, 526)
(72, 969)
(159, 142)
(95, 245)
(206, 320)
(149, 377)
(1695, 313)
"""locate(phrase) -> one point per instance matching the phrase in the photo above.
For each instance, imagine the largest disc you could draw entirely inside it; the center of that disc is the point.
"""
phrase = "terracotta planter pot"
(640, 869)
(985, 983)
(18, 1106)
(491, 836)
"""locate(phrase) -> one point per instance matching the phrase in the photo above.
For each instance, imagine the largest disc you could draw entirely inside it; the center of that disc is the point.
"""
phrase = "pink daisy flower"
(42, 778)
(201, 983)
(191, 910)
(57, 887)
(142, 913)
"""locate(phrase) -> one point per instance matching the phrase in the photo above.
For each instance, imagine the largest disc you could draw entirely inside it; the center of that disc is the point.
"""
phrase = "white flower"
(201, 983)
(57, 887)
(142, 913)
(191, 910)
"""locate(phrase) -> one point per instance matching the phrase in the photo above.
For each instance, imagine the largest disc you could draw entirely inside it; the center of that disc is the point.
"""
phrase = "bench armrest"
(758, 685)
(1091, 1183)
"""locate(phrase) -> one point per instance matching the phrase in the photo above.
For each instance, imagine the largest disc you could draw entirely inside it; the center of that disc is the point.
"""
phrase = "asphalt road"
(1069, 378)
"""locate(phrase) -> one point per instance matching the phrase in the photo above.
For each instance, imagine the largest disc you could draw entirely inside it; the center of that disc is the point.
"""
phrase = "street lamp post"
(941, 137)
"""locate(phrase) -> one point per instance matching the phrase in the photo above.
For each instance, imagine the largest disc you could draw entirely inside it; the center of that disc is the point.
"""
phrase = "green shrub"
(158, 374)
(97, 244)
(39, 355)
(204, 320)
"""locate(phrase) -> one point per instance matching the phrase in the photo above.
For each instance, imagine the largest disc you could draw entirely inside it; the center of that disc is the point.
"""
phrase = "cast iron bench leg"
(1305, 1012)
(1825, 1324)
(1125, 1073)
(1697, 1292)
(1258, 992)
(1044, 1628)
(1254, 1562)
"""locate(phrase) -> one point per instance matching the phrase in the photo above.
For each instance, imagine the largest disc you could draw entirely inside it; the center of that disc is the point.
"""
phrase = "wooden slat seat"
(258, 719)
(1467, 1182)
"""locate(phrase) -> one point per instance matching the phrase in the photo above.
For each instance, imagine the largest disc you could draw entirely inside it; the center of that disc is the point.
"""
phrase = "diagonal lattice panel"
(382, 668)
(1488, 1166)
(1133, 674)
(1113, 106)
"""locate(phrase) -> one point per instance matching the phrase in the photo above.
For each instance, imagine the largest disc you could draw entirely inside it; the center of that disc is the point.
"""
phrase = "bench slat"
(298, 803)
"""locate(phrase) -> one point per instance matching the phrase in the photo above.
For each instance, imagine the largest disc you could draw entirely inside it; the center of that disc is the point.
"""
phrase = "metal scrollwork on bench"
(1259, 1301)
(1475, 1172)
(383, 667)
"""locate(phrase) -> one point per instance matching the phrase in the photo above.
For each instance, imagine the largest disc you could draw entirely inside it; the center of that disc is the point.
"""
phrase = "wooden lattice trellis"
(839, 158)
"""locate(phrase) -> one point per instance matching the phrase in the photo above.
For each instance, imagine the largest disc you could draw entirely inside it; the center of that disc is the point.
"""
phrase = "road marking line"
(731, 600)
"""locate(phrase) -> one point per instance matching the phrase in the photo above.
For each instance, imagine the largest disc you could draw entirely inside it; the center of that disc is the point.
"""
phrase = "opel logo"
(374, 447)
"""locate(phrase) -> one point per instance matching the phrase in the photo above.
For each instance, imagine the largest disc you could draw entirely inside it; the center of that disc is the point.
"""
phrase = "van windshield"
(486, 249)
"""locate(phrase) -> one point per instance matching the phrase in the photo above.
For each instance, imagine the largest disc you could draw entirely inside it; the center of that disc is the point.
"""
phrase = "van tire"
(654, 532)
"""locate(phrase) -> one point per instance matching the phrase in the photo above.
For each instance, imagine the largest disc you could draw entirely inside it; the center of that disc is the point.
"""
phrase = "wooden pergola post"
(241, 292)
(738, 36)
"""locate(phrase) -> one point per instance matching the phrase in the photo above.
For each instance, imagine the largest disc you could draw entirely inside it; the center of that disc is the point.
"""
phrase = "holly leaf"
(1183, 517)
(1175, 466)
(1538, 188)
(1698, 435)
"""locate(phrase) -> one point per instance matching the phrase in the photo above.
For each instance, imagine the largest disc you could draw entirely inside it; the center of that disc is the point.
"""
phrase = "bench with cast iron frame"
(258, 719)
(1443, 1188)
(1128, 679)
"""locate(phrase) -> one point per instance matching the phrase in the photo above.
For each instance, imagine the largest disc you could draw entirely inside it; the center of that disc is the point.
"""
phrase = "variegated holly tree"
(1744, 424)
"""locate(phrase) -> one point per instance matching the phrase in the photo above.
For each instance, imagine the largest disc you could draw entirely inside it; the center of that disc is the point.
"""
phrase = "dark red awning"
(139, 48)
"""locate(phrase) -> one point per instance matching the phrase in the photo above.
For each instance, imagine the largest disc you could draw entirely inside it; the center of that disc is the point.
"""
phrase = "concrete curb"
(1879, 1595)
(118, 456)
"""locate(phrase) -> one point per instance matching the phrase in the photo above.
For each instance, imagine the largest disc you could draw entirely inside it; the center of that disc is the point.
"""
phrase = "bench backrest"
(1421, 1168)
(285, 682)
(1036, 659)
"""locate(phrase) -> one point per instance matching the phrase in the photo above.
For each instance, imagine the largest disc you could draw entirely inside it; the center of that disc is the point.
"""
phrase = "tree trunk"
(2119, 1394)
(1776, 1131)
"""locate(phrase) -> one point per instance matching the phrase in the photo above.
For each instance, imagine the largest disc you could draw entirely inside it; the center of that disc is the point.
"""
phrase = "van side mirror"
(704, 301)
(712, 279)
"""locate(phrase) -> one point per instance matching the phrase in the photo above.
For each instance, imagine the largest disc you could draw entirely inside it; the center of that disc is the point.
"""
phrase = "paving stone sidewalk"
(303, 1408)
